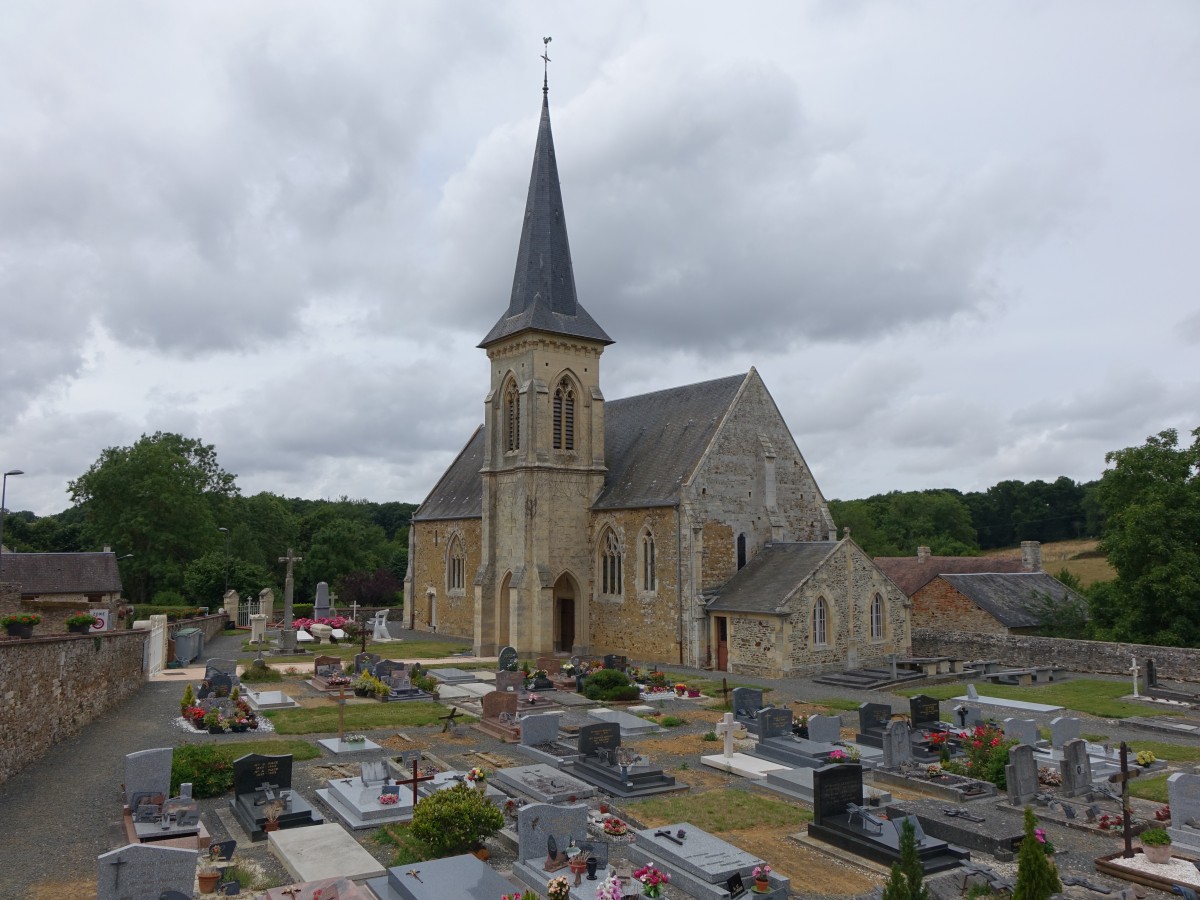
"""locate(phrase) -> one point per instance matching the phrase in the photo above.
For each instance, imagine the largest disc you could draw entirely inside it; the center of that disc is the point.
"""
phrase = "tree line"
(186, 530)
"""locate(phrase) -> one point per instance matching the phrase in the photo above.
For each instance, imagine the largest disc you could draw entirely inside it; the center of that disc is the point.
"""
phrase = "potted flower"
(212, 720)
(477, 778)
(558, 888)
(388, 799)
(81, 622)
(653, 881)
(195, 715)
(364, 685)
(271, 813)
(1156, 845)
(208, 878)
(1146, 758)
(762, 881)
(20, 625)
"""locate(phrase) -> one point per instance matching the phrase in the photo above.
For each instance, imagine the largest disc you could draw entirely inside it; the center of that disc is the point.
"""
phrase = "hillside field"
(1079, 557)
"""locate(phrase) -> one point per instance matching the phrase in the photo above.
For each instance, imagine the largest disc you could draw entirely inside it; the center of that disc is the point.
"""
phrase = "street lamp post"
(226, 530)
(3, 510)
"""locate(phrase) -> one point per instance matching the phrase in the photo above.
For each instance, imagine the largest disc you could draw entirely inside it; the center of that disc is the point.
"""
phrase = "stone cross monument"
(287, 634)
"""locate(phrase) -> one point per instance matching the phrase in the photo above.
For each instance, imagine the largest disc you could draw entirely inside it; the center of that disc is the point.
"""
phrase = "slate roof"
(764, 583)
(911, 573)
(459, 493)
(63, 573)
(1010, 597)
(543, 292)
(652, 444)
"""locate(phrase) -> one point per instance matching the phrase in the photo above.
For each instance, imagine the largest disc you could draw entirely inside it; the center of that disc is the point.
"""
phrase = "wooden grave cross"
(725, 691)
(449, 719)
(341, 702)
(414, 781)
(1122, 778)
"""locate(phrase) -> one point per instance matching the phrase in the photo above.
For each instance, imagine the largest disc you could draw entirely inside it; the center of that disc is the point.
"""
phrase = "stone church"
(681, 526)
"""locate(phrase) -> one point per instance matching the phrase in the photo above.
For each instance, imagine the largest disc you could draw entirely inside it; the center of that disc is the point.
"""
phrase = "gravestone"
(1151, 674)
(834, 787)
(601, 736)
(144, 872)
(1076, 769)
(494, 703)
(385, 667)
(260, 782)
(221, 665)
(356, 800)
(379, 627)
(321, 603)
(1021, 775)
(462, 877)
(499, 716)
(364, 662)
(540, 729)
(543, 783)
(774, 723)
(824, 729)
(147, 776)
(539, 823)
(872, 719)
(509, 682)
(508, 660)
(747, 702)
(220, 685)
(897, 744)
(615, 661)
(552, 665)
(1063, 729)
(925, 711)
(700, 863)
(1183, 795)
(1024, 731)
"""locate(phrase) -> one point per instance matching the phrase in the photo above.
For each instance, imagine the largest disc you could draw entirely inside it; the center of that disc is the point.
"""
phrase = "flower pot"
(270, 826)
(592, 862)
(20, 631)
(762, 886)
(79, 629)
(1159, 854)
(198, 724)
(215, 729)
(208, 881)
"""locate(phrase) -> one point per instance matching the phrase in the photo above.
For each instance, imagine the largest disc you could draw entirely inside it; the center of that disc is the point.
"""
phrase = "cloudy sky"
(958, 240)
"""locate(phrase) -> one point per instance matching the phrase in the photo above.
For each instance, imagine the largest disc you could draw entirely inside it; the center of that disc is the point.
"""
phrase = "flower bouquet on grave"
(354, 739)
(653, 881)
(195, 715)
(615, 827)
(838, 756)
(610, 889)
(680, 689)
(476, 778)
(1146, 758)
(558, 888)
(388, 799)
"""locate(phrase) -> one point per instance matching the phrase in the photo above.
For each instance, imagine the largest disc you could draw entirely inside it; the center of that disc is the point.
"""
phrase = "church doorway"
(502, 612)
(722, 644)
(564, 614)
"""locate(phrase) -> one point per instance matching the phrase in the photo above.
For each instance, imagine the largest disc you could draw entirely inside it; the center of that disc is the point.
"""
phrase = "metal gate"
(246, 609)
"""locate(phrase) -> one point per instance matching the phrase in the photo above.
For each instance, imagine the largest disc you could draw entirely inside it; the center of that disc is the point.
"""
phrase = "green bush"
(451, 820)
(907, 881)
(206, 766)
(260, 675)
(671, 721)
(302, 610)
(1037, 878)
(168, 598)
(609, 684)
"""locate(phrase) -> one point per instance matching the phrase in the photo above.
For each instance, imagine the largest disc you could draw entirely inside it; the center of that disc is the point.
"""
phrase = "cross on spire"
(546, 65)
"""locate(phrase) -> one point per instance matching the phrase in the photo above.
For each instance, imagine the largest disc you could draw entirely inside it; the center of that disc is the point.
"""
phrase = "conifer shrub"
(449, 821)
(907, 881)
(609, 684)
(1037, 878)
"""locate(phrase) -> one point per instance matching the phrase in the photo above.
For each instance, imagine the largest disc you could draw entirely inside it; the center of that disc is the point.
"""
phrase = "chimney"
(1031, 556)
(923, 554)
(107, 549)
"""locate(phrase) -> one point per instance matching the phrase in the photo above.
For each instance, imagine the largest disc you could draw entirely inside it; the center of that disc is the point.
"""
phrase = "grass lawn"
(1163, 750)
(407, 848)
(842, 703)
(347, 651)
(359, 717)
(1150, 788)
(718, 811)
(1087, 695)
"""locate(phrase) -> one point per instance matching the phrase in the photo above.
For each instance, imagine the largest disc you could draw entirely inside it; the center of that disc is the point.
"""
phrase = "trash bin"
(189, 644)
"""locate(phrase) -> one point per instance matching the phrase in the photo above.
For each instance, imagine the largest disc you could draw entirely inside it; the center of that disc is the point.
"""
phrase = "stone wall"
(50, 687)
(940, 607)
(1181, 663)
(453, 612)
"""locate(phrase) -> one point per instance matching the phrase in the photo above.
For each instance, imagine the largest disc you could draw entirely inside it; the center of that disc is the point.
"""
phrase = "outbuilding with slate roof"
(994, 602)
(55, 585)
(570, 523)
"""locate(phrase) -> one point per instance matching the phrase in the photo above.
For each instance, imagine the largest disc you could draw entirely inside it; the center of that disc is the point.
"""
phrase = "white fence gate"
(246, 609)
(154, 651)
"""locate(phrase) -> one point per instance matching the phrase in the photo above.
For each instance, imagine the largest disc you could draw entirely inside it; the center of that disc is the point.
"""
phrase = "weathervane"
(546, 65)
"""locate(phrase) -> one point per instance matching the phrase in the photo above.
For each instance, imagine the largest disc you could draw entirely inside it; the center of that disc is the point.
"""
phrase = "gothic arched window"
(877, 618)
(512, 417)
(564, 415)
(649, 580)
(456, 565)
(820, 619)
(611, 565)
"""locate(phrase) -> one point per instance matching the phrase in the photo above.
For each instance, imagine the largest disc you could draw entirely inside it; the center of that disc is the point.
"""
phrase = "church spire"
(543, 292)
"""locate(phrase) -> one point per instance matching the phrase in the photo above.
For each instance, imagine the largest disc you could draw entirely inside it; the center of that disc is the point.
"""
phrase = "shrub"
(168, 598)
(671, 721)
(907, 881)
(609, 684)
(987, 755)
(189, 698)
(709, 736)
(206, 766)
(260, 675)
(450, 821)
(426, 683)
(1155, 837)
(1037, 878)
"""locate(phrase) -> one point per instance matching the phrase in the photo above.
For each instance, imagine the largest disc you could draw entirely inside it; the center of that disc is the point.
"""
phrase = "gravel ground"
(64, 810)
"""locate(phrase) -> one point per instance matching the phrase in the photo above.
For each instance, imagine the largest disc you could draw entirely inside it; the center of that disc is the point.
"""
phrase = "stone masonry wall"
(755, 644)
(50, 687)
(641, 625)
(939, 606)
(455, 612)
(1180, 663)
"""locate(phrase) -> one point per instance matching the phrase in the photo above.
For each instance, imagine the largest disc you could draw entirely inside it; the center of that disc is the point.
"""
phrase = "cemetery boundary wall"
(50, 687)
(1020, 650)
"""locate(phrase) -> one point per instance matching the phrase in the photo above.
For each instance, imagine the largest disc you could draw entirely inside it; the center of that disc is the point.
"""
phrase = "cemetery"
(815, 789)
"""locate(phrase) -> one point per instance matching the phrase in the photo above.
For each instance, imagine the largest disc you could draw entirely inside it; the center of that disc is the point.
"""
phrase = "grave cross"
(449, 719)
(1122, 778)
(116, 864)
(287, 635)
(292, 892)
(414, 781)
(1134, 669)
(725, 691)
(726, 727)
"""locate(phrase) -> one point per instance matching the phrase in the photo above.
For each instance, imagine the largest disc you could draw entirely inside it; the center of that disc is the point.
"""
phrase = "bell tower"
(543, 461)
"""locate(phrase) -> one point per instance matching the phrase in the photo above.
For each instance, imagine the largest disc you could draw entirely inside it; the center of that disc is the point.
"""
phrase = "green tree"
(155, 499)
(1150, 497)
(1037, 878)
(907, 881)
(342, 546)
(204, 579)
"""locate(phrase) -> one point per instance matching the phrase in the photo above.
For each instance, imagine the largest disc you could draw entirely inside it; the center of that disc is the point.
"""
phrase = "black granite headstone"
(773, 722)
(252, 770)
(834, 787)
(1151, 674)
(924, 710)
(873, 716)
(601, 736)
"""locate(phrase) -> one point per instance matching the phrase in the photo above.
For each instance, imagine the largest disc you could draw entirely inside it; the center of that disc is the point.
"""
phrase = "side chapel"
(681, 526)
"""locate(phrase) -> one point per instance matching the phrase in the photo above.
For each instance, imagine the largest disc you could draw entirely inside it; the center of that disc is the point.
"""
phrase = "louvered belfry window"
(512, 415)
(564, 416)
